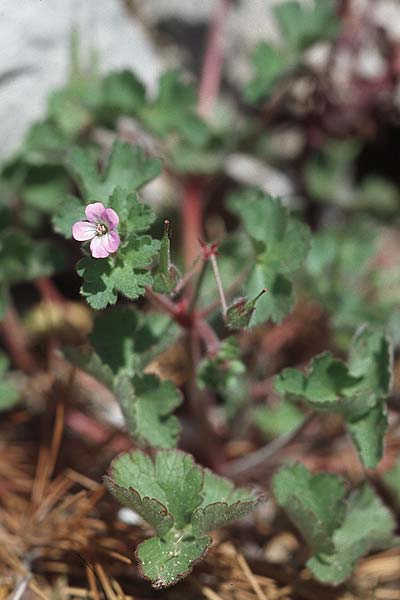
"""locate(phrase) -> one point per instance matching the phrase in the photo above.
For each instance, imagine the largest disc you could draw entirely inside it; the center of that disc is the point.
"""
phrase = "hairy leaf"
(368, 526)
(315, 504)
(355, 390)
(69, 212)
(126, 167)
(368, 435)
(181, 501)
(173, 479)
(221, 503)
(134, 215)
(147, 404)
(280, 245)
(136, 469)
(167, 560)
(102, 281)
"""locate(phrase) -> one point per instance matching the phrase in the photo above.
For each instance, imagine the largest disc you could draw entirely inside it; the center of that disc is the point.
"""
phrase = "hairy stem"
(208, 93)
(214, 264)
(192, 217)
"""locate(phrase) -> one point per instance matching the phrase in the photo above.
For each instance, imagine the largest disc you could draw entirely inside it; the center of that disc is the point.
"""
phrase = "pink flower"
(100, 228)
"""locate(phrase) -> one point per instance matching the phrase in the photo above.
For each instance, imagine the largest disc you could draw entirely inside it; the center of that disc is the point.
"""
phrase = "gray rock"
(34, 60)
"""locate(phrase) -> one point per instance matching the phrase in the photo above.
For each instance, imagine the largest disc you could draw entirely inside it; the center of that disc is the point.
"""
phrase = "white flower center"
(101, 229)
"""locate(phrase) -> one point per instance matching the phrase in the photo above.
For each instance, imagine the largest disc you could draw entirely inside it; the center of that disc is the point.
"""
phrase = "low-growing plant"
(75, 173)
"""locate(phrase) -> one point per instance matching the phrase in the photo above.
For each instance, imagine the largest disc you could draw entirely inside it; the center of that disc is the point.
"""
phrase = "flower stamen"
(101, 229)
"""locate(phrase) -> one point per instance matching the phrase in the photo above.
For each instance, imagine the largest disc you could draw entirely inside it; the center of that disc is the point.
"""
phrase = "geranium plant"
(219, 285)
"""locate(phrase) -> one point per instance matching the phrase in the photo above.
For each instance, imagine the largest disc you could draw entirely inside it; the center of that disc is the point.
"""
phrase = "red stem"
(48, 290)
(213, 61)
(208, 92)
(16, 341)
(192, 219)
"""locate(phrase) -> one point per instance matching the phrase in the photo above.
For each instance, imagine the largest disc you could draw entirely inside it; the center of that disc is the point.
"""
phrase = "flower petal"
(97, 247)
(111, 241)
(110, 218)
(94, 212)
(83, 231)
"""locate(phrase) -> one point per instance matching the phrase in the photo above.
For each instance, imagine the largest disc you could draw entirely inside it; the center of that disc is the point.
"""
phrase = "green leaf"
(368, 526)
(342, 276)
(180, 500)
(165, 561)
(299, 26)
(137, 217)
(303, 25)
(224, 374)
(290, 381)
(119, 338)
(127, 167)
(280, 245)
(277, 302)
(355, 390)
(368, 435)
(270, 63)
(378, 195)
(173, 479)
(371, 357)
(174, 109)
(91, 363)
(98, 285)
(216, 372)
(221, 503)
(391, 480)
(327, 387)
(68, 112)
(44, 187)
(113, 338)
(122, 336)
(328, 175)
(24, 259)
(102, 281)
(9, 392)
(278, 420)
(69, 212)
(315, 504)
(137, 469)
(44, 143)
(147, 404)
(123, 93)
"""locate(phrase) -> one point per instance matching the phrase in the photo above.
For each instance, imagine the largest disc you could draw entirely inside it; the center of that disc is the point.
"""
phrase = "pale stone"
(34, 59)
